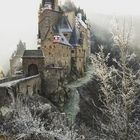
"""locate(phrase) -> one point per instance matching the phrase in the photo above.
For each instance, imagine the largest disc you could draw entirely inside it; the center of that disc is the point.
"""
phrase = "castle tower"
(53, 43)
(48, 16)
(50, 4)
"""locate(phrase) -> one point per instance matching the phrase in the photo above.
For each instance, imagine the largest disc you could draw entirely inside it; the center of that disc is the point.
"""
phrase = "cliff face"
(89, 102)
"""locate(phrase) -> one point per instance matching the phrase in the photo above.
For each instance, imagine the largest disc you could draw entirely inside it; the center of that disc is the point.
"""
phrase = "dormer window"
(57, 39)
(65, 34)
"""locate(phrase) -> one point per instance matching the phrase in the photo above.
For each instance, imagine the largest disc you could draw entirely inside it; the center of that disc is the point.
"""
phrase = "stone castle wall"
(78, 56)
(49, 15)
(9, 90)
(57, 54)
(53, 79)
(46, 20)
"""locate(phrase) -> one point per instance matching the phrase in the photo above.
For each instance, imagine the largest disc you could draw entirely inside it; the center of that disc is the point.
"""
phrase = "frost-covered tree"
(120, 88)
(32, 118)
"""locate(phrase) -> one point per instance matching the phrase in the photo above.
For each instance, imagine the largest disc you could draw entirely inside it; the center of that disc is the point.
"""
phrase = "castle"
(64, 42)
(61, 57)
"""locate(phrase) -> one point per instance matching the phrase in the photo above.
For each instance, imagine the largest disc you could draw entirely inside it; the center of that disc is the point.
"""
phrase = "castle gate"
(32, 70)
(33, 62)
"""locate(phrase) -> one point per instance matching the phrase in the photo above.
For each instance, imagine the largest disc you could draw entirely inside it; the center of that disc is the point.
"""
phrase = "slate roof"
(33, 54)
(55, 29)
(74, 39)
(64, 25)
(64, 40)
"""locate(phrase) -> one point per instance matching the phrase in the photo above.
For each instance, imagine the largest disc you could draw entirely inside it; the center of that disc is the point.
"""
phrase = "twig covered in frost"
(38, 120)
(120, 88)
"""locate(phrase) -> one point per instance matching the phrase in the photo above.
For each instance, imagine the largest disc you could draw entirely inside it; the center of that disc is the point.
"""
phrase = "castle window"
(50, 47)
(65, 34)
(49, 39)
(72, 51)
(56, 71)
(49, 53)
(81, 35)
(57, 39)
(44, 46)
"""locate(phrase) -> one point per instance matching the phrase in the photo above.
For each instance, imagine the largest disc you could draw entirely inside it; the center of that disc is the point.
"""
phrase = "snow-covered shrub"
(32, 118)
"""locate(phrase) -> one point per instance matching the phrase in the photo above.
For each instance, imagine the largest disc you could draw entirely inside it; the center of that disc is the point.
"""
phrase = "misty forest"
(102, 104)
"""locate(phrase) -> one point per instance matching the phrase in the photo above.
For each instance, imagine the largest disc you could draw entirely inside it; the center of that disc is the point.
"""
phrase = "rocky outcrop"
(89, 103)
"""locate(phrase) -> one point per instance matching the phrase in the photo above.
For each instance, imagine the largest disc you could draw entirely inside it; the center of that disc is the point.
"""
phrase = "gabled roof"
(33, 54)
(62, 26)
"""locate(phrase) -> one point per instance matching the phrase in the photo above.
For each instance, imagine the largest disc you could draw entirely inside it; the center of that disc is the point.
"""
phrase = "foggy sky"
(19, 20)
